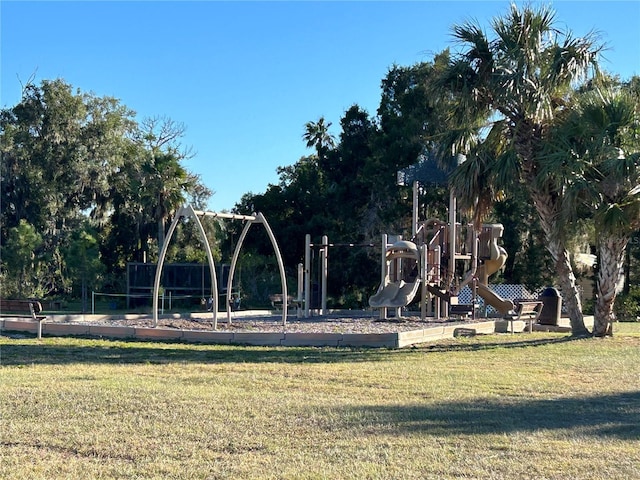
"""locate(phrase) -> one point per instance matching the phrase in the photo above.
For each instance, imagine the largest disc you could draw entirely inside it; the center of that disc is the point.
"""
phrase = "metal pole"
(184, 211)
(283, 276)
(307, 274)
(383, 272)
(259, 218)
(231, 216)
(324, 254)
(452, 231)
(452, 243)
(436, 300)
(232, 268)
(300, 296)
(212, 268)
(423, 274)
(128, 286)
(414, 224)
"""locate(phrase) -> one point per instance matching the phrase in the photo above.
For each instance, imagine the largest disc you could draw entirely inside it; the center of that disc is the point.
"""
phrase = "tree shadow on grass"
(614, 415)
(482, 345)
(69, 350)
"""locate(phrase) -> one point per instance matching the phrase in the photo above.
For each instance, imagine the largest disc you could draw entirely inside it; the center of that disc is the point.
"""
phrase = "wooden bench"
(276, 301)
(23, 309)
(527, 310)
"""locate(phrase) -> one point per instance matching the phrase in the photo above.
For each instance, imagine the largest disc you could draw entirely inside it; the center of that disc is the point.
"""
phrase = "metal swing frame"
(189, 212)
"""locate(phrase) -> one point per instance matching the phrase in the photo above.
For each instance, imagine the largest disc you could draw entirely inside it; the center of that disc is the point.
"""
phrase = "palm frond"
(612, 218)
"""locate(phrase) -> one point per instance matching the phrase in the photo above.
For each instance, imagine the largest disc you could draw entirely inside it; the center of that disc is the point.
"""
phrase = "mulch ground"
(317, 324)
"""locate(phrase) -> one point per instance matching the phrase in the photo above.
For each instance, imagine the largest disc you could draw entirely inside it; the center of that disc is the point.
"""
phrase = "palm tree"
(166, 183)
(595, 158)
(516, 82)
(317, 135)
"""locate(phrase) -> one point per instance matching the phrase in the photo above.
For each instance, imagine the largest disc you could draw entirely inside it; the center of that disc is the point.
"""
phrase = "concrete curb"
(293, 339)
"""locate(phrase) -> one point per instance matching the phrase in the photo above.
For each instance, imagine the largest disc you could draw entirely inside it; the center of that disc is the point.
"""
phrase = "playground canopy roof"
(426, 171)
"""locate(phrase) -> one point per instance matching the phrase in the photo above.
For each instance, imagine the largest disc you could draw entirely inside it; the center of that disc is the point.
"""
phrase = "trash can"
(551, 306)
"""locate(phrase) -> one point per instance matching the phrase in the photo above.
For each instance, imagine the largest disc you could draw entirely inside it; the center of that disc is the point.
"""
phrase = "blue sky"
(244, 77)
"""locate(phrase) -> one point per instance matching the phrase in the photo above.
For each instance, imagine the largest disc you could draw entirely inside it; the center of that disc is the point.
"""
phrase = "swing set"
(188, 211)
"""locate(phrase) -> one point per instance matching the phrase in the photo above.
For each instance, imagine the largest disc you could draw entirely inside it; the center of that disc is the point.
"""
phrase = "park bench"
(23, 309)
(460, 310)
(527, 310)
(277, 302)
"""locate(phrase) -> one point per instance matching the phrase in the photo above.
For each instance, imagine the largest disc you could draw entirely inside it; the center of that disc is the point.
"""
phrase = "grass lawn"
(538, 406)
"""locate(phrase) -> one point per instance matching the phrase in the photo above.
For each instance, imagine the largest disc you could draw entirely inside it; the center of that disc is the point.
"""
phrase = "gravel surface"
(317, 324)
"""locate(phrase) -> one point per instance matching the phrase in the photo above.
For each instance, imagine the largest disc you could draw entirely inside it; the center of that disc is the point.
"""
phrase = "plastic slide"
(395, 294)
(491, 266)
(498, 257)
(502, 305)
(398, 293)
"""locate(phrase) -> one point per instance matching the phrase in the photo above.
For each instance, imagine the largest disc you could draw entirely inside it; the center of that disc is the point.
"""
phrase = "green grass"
(538, 406)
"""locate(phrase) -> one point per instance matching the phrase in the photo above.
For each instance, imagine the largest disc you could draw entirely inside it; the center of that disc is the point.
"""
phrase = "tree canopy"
(80, 175)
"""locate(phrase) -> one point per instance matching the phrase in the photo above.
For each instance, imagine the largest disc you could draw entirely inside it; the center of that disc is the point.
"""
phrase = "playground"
(433, 285)
(444, 267)
(348, 329)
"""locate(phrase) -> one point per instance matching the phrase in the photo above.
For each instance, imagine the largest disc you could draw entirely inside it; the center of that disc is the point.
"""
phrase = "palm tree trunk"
(547, 212)
(611, 259)
(627, 271)
(571, 295)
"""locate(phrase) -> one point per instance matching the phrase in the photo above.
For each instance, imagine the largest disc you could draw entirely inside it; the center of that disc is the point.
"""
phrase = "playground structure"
(444, 264)
(188, 212)
(439, 261)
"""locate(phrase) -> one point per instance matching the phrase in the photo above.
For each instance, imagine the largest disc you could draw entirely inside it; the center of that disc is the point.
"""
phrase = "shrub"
(627, 306)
